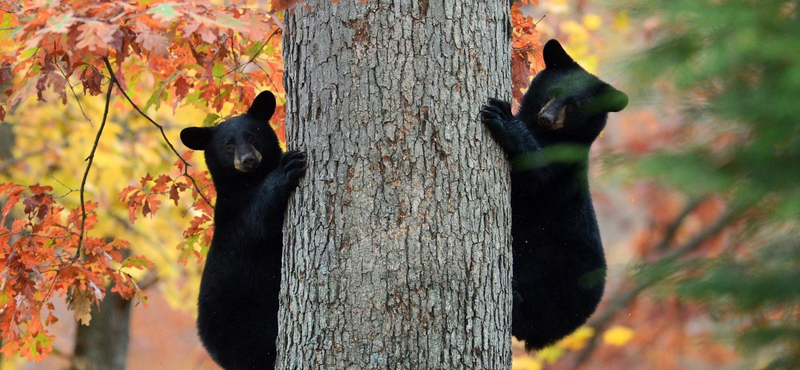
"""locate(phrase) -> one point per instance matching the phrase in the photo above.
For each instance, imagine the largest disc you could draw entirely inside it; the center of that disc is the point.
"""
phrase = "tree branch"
(673, 228)
(602, 321)
(90, 159)
(186, 164)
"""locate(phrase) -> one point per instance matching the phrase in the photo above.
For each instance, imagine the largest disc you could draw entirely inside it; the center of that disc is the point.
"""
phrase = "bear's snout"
(246, 160)
(248, 163)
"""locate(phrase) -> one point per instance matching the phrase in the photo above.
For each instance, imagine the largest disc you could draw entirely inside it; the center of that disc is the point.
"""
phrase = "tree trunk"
(397, 246)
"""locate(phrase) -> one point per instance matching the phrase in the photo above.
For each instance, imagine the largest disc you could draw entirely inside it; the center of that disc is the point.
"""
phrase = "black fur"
(559, 265)
(238, 305)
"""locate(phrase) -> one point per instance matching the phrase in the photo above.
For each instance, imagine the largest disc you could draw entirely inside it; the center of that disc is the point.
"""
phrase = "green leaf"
(155, 99)
(219, 70)
(164, 11)
(137, 262)
(254, 49)
(160, 94)
(194, 98)
(226, 20)
(7, 24)
(62, 23)
(210, 119)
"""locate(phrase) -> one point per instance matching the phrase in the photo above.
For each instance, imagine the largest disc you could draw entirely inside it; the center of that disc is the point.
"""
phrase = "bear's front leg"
(268, 208)
(293, 166)
(512, 134)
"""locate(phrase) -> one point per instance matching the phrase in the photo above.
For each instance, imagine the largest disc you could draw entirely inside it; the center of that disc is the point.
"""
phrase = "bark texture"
(104, 343)
(396, 244)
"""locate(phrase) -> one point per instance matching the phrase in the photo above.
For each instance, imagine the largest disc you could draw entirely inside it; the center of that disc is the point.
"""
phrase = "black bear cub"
(559, 265)
(237, 315)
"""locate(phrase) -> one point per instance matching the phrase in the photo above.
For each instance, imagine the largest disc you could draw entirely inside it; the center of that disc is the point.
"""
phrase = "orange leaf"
(96, 35)
(520, 74)
(35, 325)
(280, 5)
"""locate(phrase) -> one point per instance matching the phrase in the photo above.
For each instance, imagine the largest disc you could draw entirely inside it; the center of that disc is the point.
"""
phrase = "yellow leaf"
(550, 354)
(592, 22)
(525, 363)
(618, 335)
(577, 340)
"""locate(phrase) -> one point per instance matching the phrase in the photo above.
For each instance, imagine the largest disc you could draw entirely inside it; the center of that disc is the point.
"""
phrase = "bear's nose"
(249, 162)
(546, 119)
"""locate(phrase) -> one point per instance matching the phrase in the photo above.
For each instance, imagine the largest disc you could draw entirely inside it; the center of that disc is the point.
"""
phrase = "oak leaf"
(94, 35)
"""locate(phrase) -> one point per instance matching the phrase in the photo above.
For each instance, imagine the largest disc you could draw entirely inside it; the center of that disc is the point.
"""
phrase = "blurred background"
(696, 185)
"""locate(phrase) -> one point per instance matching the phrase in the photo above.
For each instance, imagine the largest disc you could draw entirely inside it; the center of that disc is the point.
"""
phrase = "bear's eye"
(229, 147)
(571, 105)
(251, 138)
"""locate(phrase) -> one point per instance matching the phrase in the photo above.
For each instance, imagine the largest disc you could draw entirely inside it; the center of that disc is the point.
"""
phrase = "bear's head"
(566, 102)
(243, 146)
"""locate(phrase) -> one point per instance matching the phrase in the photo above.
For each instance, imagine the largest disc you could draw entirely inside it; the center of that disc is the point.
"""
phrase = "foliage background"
(695, 183)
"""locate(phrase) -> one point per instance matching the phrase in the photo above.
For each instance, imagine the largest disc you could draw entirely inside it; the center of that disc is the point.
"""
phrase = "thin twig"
(254, 55)
(160, 128)
(529, 29)
(90, 159)
(75, 95)
(71, 190)
(268, 77)
(150, 279)
(673, 228)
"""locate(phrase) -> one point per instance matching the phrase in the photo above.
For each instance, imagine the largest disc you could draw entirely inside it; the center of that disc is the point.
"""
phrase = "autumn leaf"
(92, 81)
(182, 87)
(577, 340)
(94, 35)
(525, 363)
(618, 335)
(520, 74)
(281, 5)
(165, 12)
(138, 262)
(60, 23)
(153, 42)
(79, 301)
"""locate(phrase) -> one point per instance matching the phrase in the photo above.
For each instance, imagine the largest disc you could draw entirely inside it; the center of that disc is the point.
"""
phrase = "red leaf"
(173, 194)
(181, 87)
(161, 184)
(145, 180)
(146, 208)
(92, 81)
(520, 74)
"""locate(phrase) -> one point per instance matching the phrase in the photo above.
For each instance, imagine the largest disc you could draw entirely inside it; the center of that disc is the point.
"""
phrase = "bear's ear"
(263, 106)
(555, 56)
(196, 138)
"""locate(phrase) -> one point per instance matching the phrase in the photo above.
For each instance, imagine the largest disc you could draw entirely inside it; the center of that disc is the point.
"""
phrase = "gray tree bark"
(397, 250)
